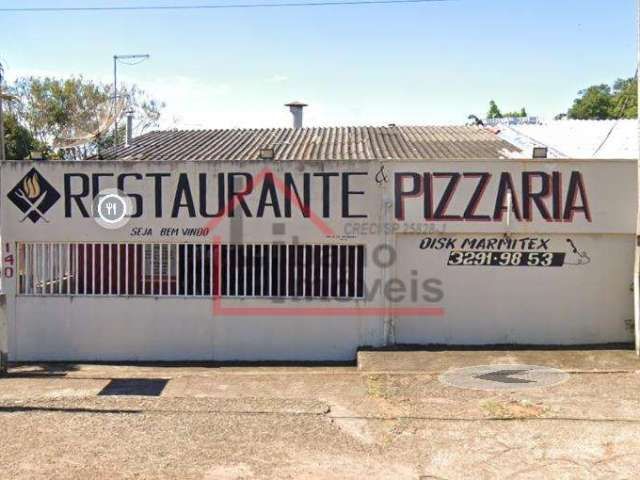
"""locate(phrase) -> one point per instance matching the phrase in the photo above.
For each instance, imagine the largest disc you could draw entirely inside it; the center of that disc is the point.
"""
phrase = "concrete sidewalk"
(389, 417)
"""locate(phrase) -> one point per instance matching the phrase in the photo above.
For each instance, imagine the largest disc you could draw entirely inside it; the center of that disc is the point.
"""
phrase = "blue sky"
(429, 63)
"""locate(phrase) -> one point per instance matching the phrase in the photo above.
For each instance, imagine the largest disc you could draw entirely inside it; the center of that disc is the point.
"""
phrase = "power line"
(215, 6)
(137, 62)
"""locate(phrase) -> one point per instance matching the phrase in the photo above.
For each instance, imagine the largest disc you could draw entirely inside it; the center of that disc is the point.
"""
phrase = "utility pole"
(118, 58)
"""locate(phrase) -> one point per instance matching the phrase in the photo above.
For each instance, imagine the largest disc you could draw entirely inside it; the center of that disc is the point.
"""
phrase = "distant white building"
(583, 139)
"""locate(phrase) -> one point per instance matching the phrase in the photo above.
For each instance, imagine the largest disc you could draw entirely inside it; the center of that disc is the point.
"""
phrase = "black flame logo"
(34, 196)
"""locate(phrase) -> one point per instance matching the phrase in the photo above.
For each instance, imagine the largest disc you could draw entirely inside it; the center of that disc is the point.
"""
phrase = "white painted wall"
(104, 328)
(572, 304)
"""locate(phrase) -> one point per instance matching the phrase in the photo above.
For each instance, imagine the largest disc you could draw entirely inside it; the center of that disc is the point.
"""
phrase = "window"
(192, 270)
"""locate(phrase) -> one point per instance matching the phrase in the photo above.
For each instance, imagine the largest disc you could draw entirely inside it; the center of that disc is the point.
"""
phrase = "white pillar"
(636, 268)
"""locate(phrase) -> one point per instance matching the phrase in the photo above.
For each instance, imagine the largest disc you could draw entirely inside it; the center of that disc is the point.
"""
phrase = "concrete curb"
(423, 361)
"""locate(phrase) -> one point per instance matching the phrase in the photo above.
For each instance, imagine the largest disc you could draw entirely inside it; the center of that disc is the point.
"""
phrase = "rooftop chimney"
(296, 110)
(129, 126)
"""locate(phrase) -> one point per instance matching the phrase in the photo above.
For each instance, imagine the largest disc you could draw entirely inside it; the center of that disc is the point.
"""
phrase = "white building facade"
(310, 260)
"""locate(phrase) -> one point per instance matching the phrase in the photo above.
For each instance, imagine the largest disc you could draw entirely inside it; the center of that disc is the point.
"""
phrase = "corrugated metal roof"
(337, 143)
(583, 139)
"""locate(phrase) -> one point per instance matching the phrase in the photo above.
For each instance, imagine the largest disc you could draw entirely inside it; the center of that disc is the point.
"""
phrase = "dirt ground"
(389, 417)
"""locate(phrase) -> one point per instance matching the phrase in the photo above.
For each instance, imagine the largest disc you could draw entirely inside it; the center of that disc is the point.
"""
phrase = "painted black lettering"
(203, 196)
(290, 189)
(346, 193)
(470, 211)
(183, 197)
(326, 191)
(505, 187)
(454, 179)
(576, 189)
(239, 194)
(556, 195)
(77, 197)
(157, 187)
(137, 198)
(268, 190)
(529, 197)
(400, 194)
(95, 183)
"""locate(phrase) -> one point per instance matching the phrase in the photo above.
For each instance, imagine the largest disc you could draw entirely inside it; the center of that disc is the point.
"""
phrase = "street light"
(118, 58)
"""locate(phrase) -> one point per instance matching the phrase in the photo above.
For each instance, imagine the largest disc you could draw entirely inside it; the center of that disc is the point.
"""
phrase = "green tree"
(19, 142)
(593, 103)
(53, 108)
(517, 114)
(625, 98)
(494, 111)
(601, 102)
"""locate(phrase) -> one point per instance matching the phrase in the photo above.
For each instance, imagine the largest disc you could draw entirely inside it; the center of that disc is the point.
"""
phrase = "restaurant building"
(309, 243)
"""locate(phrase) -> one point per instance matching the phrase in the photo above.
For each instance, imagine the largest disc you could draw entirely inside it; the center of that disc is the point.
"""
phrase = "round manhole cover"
(503, 377)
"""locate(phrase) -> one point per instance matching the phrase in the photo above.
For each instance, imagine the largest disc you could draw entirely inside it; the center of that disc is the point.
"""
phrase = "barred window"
(194, 270)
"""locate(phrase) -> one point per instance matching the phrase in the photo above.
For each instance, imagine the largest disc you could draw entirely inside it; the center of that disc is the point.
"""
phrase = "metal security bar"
(191, 270)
